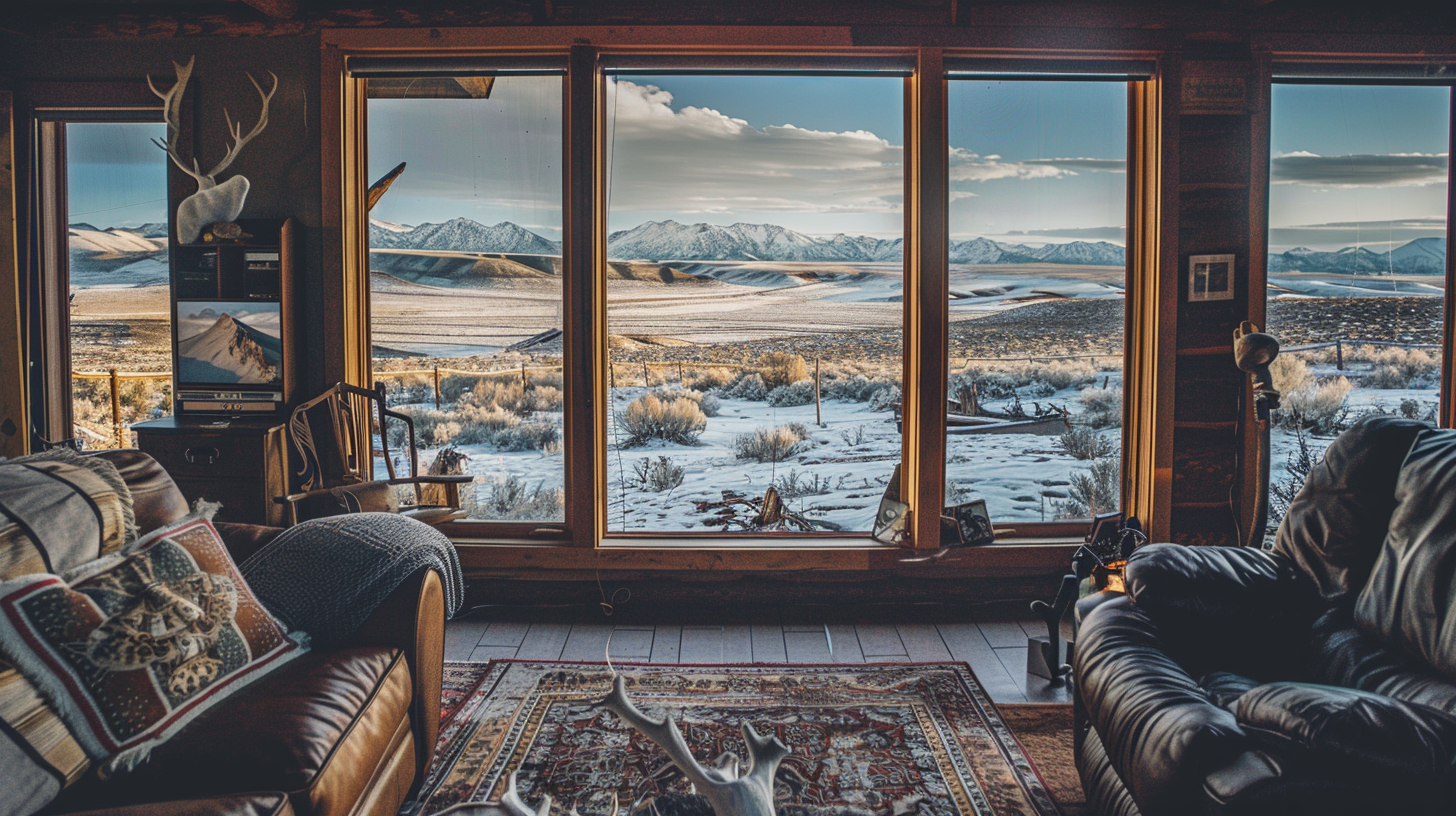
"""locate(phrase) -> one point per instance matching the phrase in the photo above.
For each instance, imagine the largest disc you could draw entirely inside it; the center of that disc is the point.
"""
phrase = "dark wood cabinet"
(241, 464)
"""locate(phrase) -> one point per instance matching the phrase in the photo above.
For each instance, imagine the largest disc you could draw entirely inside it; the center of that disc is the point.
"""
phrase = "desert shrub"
(1101, 407)
(678, 420)
(1399, 368)
(1061, 374)
(705, 379)
(511, 499)
(527, 436)
(885, 398)
(1317, 407)
(658, 475)
(781, 368)
(1038, 389)
(771, 444)
(749, 386)
(853, 436)
(799, 393)
(797, 485)
(1415, 409)
(1290, 374)
(452, 388)
(708, 403)
(1082, 442)
(1093, 491)
(856, 388)
(1284, 487)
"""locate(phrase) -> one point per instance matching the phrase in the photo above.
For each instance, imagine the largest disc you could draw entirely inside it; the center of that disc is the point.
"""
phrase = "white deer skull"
(729, 792)
(212, 202)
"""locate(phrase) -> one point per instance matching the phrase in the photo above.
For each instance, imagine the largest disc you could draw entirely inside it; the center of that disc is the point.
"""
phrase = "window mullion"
(926, 295)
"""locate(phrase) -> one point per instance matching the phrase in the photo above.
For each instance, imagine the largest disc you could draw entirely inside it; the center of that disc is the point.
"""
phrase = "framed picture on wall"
(1210, 277)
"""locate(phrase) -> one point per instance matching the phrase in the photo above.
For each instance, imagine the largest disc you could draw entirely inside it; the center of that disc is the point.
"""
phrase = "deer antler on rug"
(213, 202)
(729, 792)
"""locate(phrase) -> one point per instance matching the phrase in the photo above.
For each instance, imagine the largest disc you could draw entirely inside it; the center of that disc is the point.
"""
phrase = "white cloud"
(698, 160)
(1359, 169)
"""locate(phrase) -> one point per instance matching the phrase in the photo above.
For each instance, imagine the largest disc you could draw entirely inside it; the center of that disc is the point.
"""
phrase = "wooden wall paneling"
(584, 289)
(14, 413)
(926, 295)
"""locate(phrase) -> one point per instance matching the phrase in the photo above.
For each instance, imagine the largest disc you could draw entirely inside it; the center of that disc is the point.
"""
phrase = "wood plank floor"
(994, 648)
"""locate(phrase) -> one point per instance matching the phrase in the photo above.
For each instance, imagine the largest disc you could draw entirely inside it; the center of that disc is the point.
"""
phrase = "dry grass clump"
(1392, 367)
(856, 387)
(511, 499)
(464, 425)
(781, 368)
(679, 420)
(657, 475)
(1318, 406)
(771, 444)
(707, 402)
(1085, 443)
(715, 377)
(799, 393)
(1101, 407)
(748, 386)
(1093, 491)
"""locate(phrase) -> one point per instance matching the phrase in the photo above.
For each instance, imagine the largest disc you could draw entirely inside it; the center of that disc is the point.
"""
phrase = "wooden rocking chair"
(331, 476)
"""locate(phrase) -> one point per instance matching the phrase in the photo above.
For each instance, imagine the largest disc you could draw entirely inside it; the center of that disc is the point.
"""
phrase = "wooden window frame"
(42, 111)
(516, 546)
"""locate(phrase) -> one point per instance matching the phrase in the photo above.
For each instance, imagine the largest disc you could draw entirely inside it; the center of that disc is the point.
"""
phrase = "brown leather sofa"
(341, 732)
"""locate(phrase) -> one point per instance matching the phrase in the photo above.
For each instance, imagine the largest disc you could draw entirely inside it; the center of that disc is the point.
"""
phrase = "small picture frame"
(1210, 277)
(973, 523)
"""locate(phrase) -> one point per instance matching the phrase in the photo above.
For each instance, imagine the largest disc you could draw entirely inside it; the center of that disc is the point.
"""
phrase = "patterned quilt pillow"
(132, 647)
(59, 510)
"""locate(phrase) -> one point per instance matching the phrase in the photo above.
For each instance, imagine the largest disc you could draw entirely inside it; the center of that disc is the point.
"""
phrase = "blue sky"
(1031, 161)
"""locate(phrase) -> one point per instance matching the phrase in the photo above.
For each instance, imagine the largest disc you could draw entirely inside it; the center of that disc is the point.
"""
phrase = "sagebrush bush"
(799, 393)
(511, 499)
(796, 485)
(1399, 368)
(771, 444)
(1082, 442)
(1318, 406)
(1101, 407)
(885, 398)
(708, 378)
(678, 420)
(708, 403)
(1093, 491)
(527, 436)
(1290, 374)
(781, 368)
(657, 475)
(748, 386)
(1038, 389)
(856, 388)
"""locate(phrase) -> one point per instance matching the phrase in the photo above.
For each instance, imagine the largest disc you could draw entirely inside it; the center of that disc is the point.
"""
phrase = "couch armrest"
(246, 804)
(1160, 731)
(412, 619)
(1230, 608)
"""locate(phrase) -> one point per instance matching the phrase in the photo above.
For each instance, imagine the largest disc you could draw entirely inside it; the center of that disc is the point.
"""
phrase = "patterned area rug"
(873, 740)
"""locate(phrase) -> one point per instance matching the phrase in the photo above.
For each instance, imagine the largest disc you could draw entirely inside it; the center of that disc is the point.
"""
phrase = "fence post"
(818, 414)
(612, 376)
(116, 409)
(524, 382)
(437, 388)
(646, 376)
(681, 380)
(1339, 355)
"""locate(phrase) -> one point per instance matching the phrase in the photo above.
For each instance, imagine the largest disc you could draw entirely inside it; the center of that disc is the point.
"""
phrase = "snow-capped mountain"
(461, 235)
(230, 351)
(669, 240)
(114, 242)
(1423, 256)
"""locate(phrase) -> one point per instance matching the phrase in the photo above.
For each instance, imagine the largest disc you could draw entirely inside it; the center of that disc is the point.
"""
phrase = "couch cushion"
(1345, 656)
(1409, 603)
(1335, 524)
(155, 498)
(59, 510)
(319, 728)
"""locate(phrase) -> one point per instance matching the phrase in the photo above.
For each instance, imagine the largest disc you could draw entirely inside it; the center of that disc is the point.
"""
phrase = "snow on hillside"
(461, 235)
(1423, 256)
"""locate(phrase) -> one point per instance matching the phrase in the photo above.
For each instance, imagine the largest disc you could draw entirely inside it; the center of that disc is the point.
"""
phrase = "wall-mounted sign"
(1210, 277)
(1214, 94)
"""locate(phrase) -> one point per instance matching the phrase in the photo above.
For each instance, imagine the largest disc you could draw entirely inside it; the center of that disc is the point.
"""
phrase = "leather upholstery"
(343, 731)
(248, 804)
(1326, 668)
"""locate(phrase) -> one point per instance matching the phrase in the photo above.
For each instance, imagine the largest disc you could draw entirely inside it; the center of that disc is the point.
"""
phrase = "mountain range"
(1423, 256)
(670, 240)
(229, 351)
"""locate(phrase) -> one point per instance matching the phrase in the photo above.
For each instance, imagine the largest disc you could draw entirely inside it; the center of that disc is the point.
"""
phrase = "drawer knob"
(209, 456)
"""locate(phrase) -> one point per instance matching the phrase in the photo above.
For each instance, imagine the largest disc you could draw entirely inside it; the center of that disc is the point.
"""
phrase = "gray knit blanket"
(326, 576)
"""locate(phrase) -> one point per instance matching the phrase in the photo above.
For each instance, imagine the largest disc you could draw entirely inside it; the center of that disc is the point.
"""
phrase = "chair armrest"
(1229, 608)
(412, 619)
(1160, 731)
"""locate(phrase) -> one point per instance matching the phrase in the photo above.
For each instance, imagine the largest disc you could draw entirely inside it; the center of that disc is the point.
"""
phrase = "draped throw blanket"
(328, 575)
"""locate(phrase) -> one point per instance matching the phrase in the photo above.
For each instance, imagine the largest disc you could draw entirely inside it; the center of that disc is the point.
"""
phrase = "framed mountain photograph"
(229, 343)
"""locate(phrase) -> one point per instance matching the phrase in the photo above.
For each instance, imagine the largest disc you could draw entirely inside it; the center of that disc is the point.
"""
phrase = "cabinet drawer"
(206, 456)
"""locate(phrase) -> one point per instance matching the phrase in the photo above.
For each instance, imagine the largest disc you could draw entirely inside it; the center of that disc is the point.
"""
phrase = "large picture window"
(119, 322)
(465, 280)
(1037, 281)
(754, 309)
(1357, 262)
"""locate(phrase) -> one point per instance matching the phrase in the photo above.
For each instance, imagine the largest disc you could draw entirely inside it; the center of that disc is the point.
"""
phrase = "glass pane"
(753, 301)
(1037, 212)
(120, 318)
(1357, 262)
(465, 282)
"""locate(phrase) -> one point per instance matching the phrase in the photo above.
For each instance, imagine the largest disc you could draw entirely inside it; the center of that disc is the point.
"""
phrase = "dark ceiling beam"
(279, 9)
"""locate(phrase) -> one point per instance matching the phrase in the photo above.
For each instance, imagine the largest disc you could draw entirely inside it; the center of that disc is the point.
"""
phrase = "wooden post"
(437, 388)
(524, 381)
(612, 376)
(646, 376)
(116, 409)
(818, 412)
(681, 379)
(1339, 355)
